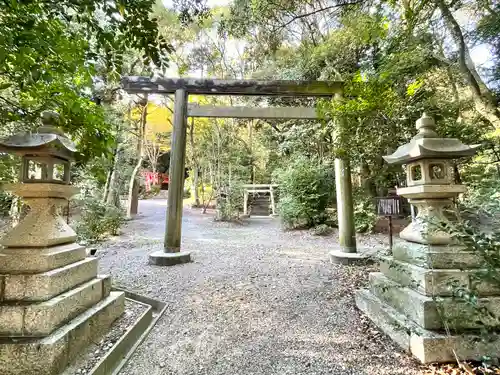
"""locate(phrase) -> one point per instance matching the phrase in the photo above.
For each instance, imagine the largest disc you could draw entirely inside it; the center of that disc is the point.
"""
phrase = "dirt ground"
(255, 300)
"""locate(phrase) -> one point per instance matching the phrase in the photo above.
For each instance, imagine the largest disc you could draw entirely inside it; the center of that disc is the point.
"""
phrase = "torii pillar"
(347, 253)
(172, 254)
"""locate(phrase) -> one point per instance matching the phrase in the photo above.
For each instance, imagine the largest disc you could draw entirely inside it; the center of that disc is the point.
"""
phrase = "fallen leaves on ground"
(462, 369)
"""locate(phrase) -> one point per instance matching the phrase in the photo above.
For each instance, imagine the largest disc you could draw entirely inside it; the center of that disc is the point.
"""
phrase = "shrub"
(476, 229)
(306, 188)
(97, 221)
(153, 192)
(332, 219)
(229, 202)
(321, 230)
(5, 203)
(365, 216)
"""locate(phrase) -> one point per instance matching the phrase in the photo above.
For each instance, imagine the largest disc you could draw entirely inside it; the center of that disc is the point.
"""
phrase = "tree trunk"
(110, 178)
(105, 193)
(367, 181)
(194, 186)
(133, 190)
(250, 147)
(112, 197)
(483, 97)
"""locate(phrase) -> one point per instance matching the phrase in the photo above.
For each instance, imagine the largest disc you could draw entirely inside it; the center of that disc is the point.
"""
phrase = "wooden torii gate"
(182, 88)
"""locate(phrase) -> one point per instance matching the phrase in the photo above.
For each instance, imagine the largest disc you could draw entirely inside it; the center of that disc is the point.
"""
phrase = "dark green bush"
(5, 203)
(365, 216)
(98, 220)
(306, 188)
(229, 202)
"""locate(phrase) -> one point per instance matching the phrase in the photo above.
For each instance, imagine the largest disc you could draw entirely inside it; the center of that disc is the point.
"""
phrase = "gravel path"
(255, 300)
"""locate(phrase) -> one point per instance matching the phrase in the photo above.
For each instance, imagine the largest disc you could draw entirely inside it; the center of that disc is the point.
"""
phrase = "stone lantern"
(52, 302)
(44, 184)
(429, 177)
(411, 298)
(46, 155)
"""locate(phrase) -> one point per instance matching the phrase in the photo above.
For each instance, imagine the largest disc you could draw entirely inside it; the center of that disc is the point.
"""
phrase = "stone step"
(432, 312)
(435, 282)
(260, 209)
(41, 318)
(432, 256)
(427, 346)
(45, 285)
(51, 354)
(34, 260)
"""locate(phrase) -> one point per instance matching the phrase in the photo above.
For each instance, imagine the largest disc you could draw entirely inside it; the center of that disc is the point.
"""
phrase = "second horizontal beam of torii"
(208, 111)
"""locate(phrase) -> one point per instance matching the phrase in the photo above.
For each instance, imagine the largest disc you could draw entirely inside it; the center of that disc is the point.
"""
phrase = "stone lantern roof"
(48, 140)
(427, 144)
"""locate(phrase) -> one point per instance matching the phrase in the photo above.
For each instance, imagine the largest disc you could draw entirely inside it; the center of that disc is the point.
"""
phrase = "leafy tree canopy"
(51, 51)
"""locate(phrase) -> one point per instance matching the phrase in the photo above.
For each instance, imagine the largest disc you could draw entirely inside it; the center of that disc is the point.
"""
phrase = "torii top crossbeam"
(137, 85)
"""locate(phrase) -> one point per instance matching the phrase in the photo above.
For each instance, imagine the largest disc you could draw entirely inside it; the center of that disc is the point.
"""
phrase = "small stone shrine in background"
(52, 302)
(411, 298)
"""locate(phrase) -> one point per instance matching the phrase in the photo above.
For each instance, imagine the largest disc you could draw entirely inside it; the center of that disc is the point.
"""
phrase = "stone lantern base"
(410, 300)
(52, 301)
(47, 318)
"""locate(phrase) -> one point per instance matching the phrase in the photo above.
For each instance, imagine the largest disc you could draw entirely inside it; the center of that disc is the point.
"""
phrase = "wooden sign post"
(390, 207)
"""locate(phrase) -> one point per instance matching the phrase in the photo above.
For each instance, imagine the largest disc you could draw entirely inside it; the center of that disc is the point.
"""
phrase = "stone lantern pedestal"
(52, 301)
(410, 299)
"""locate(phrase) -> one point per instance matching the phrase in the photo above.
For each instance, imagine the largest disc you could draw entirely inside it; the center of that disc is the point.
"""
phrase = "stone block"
(106, 284)
(427, 346)
(84, 334)
(41, 227)
(45, 285)
(50, 355)
(431, 312)
(345, 258)
(434, 256)
(435, 282)
(424, 280)
(162, 258)
(37, 260)
(39, 319)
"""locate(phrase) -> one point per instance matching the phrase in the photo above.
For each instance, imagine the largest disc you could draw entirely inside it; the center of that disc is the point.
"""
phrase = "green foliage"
(98, 220)
(186, 194)
(5, 203)
(51, 53)
(229, 202)
(488, 31)
(306, 188)
(365, 216)
(153, 192)
(476, 228)
(486, 244)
